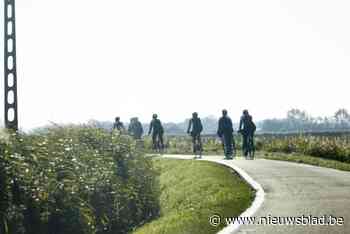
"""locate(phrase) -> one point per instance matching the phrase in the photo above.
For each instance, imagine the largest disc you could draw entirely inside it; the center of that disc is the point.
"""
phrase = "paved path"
(294, 190)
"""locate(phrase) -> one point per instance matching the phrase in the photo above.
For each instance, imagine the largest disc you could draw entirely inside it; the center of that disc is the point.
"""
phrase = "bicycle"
(249, 149)
(232, 148)
(158, 146)
(197, 147)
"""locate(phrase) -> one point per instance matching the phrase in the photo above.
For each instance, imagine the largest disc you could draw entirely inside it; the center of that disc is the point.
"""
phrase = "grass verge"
(192, 191)
(299, 158)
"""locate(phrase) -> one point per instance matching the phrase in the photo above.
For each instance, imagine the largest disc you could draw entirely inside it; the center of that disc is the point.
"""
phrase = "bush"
(337, 148)
(77, 179)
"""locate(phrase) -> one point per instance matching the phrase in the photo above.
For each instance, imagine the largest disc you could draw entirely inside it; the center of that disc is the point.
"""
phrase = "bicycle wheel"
(251, 149)
(159, 147)
(196, 150)
(234, 150)
(199, 150)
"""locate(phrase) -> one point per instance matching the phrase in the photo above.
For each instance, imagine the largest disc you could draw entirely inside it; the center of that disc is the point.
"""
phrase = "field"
(327, 146)
(334, 146)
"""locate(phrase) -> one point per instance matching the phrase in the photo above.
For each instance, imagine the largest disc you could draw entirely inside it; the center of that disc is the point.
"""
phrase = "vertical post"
(11, 115)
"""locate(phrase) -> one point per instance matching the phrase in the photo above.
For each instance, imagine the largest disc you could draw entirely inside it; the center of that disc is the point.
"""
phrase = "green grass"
(299, 158)
(192, 191)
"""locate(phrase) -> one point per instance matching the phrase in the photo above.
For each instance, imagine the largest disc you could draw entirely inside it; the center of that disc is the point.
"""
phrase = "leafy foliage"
(74, 180)
(329, 147)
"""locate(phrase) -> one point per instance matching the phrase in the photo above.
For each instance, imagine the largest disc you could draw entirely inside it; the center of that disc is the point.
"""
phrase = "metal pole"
(10, 70)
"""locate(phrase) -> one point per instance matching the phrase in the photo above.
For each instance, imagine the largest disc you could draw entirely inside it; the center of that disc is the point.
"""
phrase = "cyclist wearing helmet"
(158, 132)
(247, 129)
(118, 124)
(195, 128)
(225, 132)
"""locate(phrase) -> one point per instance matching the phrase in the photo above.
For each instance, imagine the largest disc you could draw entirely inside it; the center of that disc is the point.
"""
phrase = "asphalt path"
(303, 194)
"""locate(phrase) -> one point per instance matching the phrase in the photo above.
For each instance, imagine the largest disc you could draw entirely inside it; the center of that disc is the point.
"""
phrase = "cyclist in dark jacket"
(247, 129)
(135, 128)
(195, 128)
(118, 124)
(225, 132)
(158, 131)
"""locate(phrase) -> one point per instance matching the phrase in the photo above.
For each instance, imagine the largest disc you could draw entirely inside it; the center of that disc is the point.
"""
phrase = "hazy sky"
(84, 59)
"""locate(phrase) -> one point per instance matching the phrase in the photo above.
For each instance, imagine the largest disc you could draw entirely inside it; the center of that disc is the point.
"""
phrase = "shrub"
(74, 179)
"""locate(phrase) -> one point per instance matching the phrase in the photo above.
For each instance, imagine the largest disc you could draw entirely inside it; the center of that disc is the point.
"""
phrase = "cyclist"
(195, 128)
(158, 132)
(135, 128)
(118, 124)
(225, 132)
(247, 129)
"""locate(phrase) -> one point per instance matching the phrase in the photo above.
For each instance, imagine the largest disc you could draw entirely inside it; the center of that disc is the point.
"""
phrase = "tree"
(297, 114)
(342, 118)
(297, 120)
(342, 115)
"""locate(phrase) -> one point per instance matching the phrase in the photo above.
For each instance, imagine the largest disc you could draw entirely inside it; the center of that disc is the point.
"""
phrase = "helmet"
(245, 112)
(154, 116)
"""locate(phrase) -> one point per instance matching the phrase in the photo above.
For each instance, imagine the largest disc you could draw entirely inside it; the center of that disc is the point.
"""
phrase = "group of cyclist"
(225, 132)
(135, 129)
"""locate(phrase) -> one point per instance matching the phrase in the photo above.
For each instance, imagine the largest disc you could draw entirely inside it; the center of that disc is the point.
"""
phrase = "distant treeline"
(296, 121)
(299, 121)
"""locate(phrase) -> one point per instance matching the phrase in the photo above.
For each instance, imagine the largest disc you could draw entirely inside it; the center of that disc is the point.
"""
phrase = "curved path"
(296, 190)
